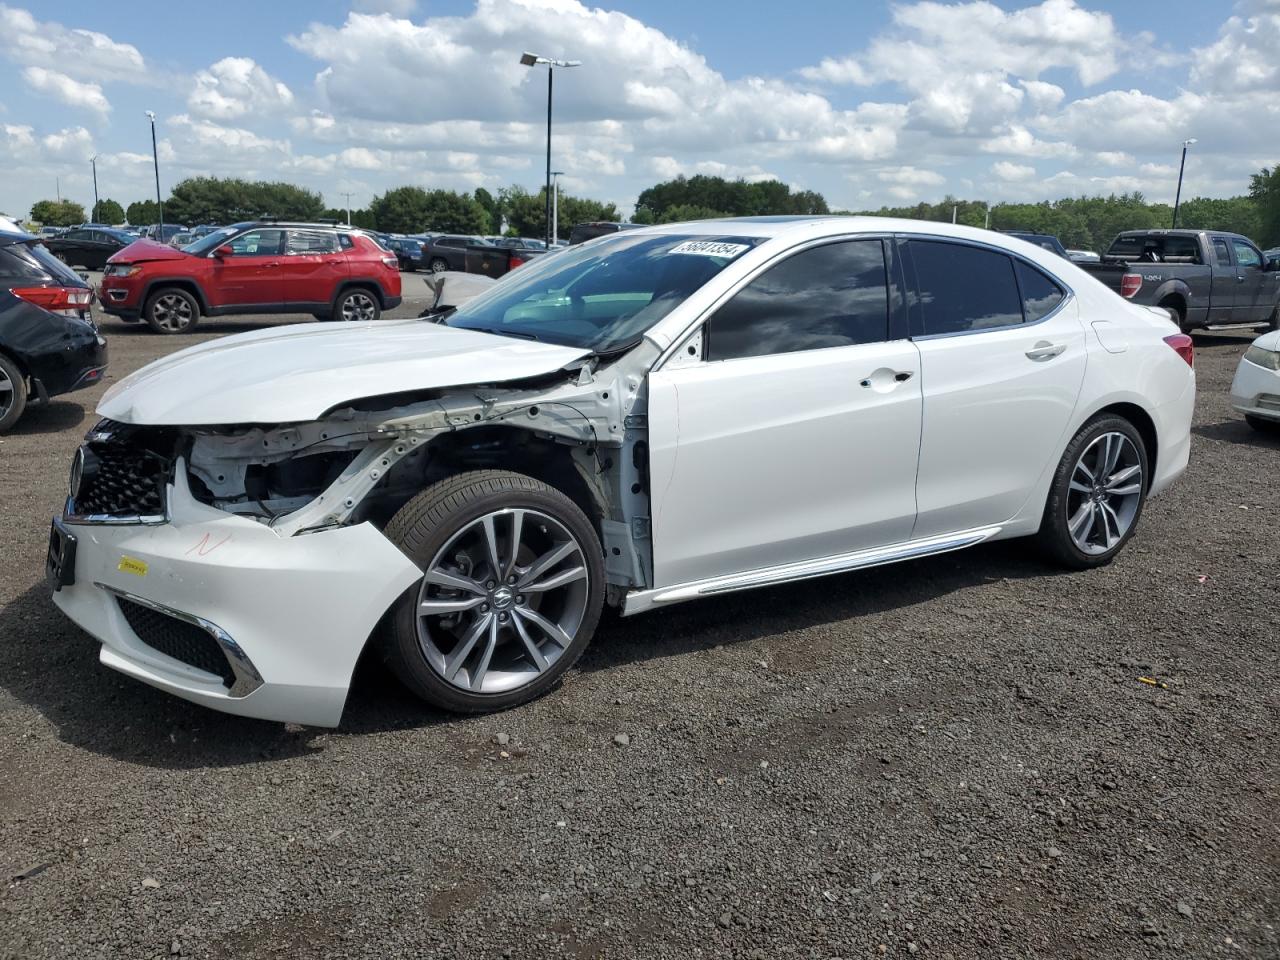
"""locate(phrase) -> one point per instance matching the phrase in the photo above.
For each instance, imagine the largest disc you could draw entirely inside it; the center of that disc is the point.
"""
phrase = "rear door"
(311, 269)
(1002, 356)
(251, 275)
(1222, 290)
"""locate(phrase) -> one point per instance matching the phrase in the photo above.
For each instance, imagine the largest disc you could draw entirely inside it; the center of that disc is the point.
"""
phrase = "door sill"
(1236, 326)
(639, 601)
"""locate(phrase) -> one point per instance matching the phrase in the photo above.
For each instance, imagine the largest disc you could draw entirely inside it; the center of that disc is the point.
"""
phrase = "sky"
(869, 103)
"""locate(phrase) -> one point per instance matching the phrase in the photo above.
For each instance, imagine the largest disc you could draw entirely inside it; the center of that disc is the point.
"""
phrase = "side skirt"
(638, 601)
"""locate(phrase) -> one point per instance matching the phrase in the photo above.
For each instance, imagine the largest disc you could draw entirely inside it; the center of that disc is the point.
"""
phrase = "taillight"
(514, 262)
(1130, 284)
(67, 301)
(391, 262)
(1183, 346)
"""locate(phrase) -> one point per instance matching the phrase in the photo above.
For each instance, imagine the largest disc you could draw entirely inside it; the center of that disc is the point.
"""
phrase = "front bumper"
(297, 609)
(120, 297)
(1256, 391)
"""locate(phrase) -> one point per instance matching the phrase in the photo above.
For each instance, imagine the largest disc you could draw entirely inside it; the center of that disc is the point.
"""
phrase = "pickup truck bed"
(1209, 280)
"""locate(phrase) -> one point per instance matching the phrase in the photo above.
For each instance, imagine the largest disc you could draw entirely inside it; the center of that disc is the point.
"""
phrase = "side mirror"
(224, 251)
(1272, 265)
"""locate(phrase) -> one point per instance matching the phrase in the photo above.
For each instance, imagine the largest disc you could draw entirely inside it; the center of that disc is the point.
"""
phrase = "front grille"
(1269, 401)
(178, 639)
(125, 471)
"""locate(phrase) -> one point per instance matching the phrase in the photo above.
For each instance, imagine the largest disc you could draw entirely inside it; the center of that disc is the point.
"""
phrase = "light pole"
(555, 205)
(1182, 166)
(533, 60)
(93, 161)
(348, 196)
(155, 159)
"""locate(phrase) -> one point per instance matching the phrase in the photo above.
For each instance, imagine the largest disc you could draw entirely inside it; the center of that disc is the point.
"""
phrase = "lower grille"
(1269, 401)
(178, 639)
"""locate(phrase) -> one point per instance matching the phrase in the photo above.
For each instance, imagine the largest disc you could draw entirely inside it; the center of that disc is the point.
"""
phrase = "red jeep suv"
(332, 272)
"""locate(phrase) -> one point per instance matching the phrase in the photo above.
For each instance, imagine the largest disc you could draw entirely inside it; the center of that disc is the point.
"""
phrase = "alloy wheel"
(172, 312)
(502, 601)
(8, 393)
(358, 306)
(439, 266)
(1104, 493)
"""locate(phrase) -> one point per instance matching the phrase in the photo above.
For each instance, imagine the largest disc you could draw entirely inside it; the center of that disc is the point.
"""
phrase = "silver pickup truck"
(1208, 280)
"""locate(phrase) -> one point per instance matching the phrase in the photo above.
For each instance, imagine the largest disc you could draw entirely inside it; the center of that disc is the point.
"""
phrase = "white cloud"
(1017, 141)
(1004, 170)
(236, 86)
(1246, 55)
(85, 54)
(74, 93)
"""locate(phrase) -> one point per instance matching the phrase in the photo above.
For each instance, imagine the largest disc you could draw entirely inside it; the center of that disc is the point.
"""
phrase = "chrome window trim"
(247, 677)
(1070, 294)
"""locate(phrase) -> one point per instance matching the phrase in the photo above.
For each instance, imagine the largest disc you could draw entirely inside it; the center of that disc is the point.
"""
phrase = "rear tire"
(356, 304)
(13, 393)
(171, 310)
(1097, 494)
(1179, 314)
(438, 264)
(513, 590)
(1274, 322)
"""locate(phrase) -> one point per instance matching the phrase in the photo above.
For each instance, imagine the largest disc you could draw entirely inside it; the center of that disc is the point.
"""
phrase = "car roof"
(820, 225)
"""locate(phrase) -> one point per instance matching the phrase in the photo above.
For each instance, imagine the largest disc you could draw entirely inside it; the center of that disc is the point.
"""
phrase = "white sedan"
(659, 415)
(1255, 391)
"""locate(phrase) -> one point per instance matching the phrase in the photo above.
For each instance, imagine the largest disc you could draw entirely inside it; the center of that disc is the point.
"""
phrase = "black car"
(1046, 240)
(48, 342)
(583, 232)
(88, 247)
(449, 252)
(407, 250)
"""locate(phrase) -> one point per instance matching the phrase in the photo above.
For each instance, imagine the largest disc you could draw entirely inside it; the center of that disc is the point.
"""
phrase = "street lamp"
(533, 60)
(1182, 166)
(155, 159)
(93, 161)
(555, 205)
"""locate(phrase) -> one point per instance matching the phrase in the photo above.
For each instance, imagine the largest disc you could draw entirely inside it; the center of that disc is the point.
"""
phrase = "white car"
(659, 415)
(1255, 391)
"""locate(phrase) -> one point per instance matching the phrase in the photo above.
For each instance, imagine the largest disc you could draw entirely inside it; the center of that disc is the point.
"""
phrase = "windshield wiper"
(501, 333)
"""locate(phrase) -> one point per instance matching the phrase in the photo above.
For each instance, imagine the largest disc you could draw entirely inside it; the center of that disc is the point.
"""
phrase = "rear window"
(31, 261)
(964, 288)
(1156, 249)
(1040, 295)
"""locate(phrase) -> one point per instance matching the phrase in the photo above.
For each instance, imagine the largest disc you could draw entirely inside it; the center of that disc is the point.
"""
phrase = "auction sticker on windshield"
(711, 248)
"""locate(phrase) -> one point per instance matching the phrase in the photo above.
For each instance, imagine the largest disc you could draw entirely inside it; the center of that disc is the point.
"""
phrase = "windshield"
(601, 296)
(210, 241)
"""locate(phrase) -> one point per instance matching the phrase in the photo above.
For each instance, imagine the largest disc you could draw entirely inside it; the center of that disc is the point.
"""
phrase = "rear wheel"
(171, 310)
(1179, 311)
(439, 264)
(512, 591)
(1097, 494)
(13, 393)
(357, 304)
(1274, 322)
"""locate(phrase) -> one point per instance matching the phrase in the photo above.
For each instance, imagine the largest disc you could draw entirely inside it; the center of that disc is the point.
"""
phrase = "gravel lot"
(947, 758)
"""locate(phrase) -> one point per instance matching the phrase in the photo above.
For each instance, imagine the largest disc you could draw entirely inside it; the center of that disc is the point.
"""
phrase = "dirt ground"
(948, 758)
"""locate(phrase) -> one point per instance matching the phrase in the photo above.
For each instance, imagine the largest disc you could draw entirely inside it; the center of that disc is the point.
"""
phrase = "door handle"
(878, 379)
(1239, 279)
(1044, 350)
(273, 263)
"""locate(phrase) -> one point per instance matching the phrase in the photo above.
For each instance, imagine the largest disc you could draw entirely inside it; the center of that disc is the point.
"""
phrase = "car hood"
(297, 373)
(1269, 341)
(142, 250)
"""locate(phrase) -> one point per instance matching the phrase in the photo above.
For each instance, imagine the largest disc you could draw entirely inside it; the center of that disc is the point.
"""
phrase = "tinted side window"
(1040, 295)
(964, 288)
(1222, 253)
(16, 261)
(829, 296)
(258, 243)
(1246, 256)
(311, 241)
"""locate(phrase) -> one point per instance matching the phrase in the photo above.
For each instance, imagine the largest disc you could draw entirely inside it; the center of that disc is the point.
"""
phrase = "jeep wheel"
(358, 304)
(171, 310)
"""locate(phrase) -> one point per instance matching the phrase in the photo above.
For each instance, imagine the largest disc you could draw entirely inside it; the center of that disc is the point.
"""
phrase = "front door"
(251, 275)
(792, 431)
(1002, 356)
(1255, 288)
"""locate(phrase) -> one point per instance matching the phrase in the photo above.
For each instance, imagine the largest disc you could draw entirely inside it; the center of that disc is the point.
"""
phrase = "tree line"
(1079, 222)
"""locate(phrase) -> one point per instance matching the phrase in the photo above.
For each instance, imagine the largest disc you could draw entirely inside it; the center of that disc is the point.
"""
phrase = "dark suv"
(48, 343)
(449, 252)
(332, 272)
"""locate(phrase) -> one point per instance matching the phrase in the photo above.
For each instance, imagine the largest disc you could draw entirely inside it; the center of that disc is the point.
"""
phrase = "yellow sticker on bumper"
(132, 565)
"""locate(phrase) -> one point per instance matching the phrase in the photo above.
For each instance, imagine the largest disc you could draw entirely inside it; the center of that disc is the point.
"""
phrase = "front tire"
(512, 591)
(1097, 494)
(357, 304)
(13, 393)
(171, 310)
(438, 265)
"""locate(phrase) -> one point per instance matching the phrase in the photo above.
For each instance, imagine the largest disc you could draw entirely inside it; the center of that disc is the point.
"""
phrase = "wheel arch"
(182, 283)
(1142, 422)
(360, 283)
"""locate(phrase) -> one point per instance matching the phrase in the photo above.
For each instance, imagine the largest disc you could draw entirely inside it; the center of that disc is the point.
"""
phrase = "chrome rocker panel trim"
(248, 679)
(639, 601)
